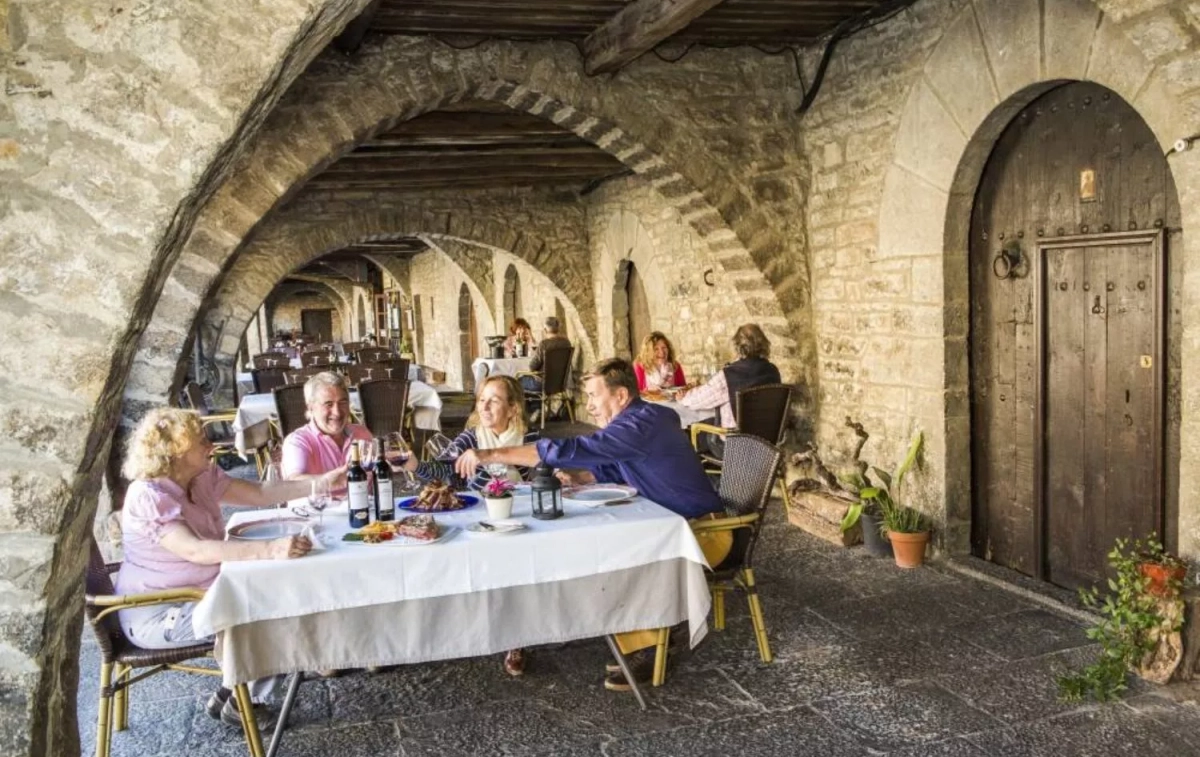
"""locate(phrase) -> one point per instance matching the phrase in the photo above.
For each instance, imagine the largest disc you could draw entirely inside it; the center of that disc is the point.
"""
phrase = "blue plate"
(468, 499)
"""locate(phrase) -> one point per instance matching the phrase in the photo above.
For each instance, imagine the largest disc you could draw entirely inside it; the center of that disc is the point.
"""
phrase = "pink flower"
(498, 488)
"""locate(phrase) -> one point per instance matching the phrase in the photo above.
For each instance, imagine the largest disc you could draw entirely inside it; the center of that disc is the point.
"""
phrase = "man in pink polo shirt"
(324, 443)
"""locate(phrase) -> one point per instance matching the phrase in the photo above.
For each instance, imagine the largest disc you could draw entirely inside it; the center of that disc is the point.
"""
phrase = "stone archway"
(273, 171)
(967, 93)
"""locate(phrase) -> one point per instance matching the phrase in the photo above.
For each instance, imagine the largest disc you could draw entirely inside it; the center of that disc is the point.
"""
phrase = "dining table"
(482, 367)
(423, 399)
(687, 415)
(599, 570)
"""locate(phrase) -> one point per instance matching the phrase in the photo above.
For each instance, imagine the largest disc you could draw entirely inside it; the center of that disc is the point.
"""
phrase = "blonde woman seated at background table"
(655, 366)
(499, 421)
(174, 536)
(519, 331)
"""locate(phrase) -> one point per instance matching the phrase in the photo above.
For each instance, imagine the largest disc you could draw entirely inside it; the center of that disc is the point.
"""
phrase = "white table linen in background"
(585, 542)
(424, 401)
(687, 416)
(483, 367)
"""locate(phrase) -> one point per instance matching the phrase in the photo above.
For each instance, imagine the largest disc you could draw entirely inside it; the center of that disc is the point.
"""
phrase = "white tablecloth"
(687, 416)
(544, 570)
(509, 366)
(422, 398)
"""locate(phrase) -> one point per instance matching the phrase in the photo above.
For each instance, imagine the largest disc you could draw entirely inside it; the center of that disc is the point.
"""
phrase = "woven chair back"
(747, 477)
(195, 397)
(393, 368)
(270, 360)
(304, 374)
(384, 403)
(763, 411)
(98, 583)
(268, 379)
(374, 354)
(556, 370)
(290, 408)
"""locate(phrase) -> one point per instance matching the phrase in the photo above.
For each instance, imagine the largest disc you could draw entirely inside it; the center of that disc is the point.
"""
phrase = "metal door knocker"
(1009, 263)
(1097, 309)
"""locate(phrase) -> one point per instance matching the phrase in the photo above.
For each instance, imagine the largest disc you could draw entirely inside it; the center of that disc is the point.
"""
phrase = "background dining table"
(423, 399)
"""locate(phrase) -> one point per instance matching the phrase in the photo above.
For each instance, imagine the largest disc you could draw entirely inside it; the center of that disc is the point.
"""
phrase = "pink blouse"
(153, 506)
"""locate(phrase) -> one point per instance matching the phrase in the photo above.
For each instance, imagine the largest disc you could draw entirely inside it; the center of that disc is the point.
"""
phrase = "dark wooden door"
(317, 323)
(1100, 398)
(639, 310)
(1077, 162)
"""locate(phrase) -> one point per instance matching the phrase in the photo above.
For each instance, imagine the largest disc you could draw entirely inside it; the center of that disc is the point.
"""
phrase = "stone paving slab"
(869, 660)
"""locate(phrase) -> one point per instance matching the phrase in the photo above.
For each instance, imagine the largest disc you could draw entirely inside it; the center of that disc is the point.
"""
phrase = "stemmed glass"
(397, 453)
(438, 444)
(318, 498)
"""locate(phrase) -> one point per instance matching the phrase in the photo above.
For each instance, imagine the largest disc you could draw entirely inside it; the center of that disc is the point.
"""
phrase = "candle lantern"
(546, 493)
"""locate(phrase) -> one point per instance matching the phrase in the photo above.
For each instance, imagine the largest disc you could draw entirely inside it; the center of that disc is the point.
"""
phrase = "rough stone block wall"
(627, 219)
(285, 316)
(436, 280)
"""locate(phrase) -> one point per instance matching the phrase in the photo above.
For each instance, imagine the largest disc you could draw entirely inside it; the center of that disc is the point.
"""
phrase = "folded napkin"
(313, 536)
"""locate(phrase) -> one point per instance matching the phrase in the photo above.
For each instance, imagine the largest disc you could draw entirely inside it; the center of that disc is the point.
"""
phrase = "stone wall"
(627, 219)
(436, 280)
(285, 313)
(897, 141)
(117, 123)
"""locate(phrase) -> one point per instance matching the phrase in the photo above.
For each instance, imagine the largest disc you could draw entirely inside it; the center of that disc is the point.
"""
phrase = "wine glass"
(438, 444)
(318, 498)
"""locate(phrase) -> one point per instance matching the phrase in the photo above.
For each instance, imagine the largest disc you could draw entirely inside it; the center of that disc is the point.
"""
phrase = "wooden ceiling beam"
(637, 28)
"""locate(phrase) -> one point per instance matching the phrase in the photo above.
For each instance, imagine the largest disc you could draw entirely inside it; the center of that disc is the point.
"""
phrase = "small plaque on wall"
(1087, 185)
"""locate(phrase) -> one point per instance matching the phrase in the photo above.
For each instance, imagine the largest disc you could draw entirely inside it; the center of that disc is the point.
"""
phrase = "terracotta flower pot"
(909, 549)
(1164, 579)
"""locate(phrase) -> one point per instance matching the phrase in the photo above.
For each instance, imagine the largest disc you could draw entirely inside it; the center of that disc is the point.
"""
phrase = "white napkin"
(311, 533)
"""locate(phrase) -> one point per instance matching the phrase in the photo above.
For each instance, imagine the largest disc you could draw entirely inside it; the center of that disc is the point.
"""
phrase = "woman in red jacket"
(655, 365)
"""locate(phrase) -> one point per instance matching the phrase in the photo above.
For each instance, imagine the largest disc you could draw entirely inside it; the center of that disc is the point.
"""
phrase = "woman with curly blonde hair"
(174, 536)
(655, 366)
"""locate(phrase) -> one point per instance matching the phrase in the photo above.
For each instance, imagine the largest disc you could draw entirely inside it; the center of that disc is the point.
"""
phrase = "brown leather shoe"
(514, 662)
(641, 665)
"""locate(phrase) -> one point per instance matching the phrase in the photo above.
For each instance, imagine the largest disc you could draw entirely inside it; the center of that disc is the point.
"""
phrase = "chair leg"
(249, 724)
(121, 674)
(756, 615)
(787, 498)
(660, 657)
(718, 601)
(104, 722)
(543, 410)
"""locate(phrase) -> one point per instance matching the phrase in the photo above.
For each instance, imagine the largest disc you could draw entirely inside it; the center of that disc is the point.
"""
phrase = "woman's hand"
(288, 547)
(466, 464)
(336, 478)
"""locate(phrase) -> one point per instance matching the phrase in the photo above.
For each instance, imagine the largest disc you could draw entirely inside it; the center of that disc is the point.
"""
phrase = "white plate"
(501, 527)
(448, 533)
(265, 530)
(595, 495)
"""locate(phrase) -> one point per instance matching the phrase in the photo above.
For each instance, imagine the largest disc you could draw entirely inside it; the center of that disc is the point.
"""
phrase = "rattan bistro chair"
(290, 408)
(257, 440)
(301, 375)
(119, 657)
(271, 360)
(216, 424)
(751, 467)
(373, 354)
(761, 411)
(384, 405)
(555, 375)
(267, 379)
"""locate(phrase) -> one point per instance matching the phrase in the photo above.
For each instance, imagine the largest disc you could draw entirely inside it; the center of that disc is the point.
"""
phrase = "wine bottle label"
(384, 502)
(360, 509)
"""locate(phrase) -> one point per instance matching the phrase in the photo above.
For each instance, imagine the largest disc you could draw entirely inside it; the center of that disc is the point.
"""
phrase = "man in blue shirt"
(639, 444)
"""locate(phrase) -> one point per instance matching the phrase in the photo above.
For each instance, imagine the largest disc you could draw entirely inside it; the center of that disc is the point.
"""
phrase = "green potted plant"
(1135, 618)
(406, 347)
(879, 507)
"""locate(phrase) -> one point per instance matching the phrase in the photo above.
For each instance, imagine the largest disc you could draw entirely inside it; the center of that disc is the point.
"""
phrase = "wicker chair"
(322, 358)
(290, 408)
(760, 411)
(393, 368)
(555, 375)
(268, 379)
(373, 355)
(216, 424)
(119, 657)
(384, 405)
(257, 439)
(349, 348)
(750, 473)
(299, 376)
(270, 360)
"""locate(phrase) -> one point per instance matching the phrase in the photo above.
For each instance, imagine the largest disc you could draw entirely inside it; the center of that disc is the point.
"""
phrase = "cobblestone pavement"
(870, 659)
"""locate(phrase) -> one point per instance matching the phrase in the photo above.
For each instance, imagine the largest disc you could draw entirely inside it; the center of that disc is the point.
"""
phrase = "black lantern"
(546, 492)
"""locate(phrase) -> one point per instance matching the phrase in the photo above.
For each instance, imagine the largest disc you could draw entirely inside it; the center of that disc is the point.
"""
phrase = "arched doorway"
(468, 335)
(1074, 347)
(631, 310)
(512, 298)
